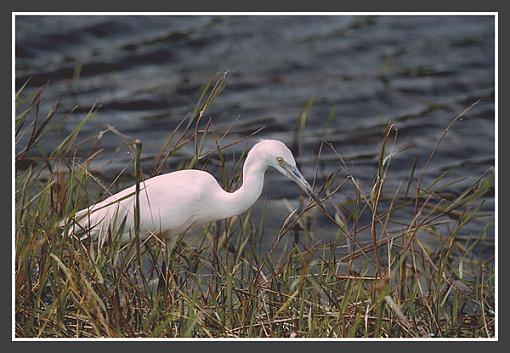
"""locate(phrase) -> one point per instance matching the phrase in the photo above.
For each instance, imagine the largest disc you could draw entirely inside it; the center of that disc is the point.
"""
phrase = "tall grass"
(221, 282)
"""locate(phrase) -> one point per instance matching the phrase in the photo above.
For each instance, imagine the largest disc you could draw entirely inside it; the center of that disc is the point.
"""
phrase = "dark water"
(361, 71)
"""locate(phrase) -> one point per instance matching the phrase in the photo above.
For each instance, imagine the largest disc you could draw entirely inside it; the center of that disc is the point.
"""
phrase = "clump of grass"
(221, 282)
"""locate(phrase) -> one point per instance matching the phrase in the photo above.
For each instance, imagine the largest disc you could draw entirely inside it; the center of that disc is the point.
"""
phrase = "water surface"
(361, 72)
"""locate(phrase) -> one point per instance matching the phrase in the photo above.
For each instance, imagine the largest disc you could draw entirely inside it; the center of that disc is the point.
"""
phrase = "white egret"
(174, 202)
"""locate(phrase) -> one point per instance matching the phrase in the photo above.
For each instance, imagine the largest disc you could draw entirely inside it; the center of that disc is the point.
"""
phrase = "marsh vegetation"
(390, 258)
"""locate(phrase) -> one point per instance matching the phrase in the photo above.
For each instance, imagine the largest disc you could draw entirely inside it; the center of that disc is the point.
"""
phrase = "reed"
(223, 281)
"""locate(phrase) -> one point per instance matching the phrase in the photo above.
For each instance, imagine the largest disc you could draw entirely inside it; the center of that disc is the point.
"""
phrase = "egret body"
(174, 202)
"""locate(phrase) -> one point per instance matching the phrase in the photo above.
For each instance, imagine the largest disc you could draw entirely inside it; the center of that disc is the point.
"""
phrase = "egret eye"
(279, 160)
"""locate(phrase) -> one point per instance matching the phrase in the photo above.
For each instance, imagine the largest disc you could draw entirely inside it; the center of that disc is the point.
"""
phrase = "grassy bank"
(222, 283)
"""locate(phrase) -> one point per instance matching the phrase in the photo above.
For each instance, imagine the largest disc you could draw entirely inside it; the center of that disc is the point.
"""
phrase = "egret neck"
(253, 181)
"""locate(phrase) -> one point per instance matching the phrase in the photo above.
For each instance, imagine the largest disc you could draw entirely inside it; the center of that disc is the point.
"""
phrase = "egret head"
(278, 156)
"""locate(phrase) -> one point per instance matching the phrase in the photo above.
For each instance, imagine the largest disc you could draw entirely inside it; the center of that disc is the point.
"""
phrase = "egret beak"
(294, 173)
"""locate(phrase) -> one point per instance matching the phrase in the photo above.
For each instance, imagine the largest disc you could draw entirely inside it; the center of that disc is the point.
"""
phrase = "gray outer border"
(224, 5)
